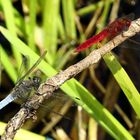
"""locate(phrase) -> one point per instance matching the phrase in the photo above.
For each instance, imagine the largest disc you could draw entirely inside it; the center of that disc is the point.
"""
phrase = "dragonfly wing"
(54, 104)
(6, 101)
(33, 67)
(23, 67)
(130, 16)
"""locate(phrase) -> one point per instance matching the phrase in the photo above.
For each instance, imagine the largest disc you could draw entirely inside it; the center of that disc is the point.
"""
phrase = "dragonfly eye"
(36, 81)
(29, 78)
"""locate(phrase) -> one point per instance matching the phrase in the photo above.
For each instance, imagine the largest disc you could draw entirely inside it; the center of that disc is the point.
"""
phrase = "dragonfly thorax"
(26, 86)
(36, 82)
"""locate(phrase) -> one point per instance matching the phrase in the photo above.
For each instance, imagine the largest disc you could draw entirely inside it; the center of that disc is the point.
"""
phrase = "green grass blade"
(8, 66)
(96, 110)
(61, 30)
(20, 24)
(10, 22)
(69, 18)
(124, 81)
(50, 18)
(90, 8)
(32, 23)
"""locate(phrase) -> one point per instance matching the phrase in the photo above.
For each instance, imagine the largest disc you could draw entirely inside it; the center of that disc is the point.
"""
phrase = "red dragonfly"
(112, 30)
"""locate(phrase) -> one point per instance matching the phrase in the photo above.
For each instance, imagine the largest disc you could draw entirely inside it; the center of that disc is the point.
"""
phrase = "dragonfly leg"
(99, 45)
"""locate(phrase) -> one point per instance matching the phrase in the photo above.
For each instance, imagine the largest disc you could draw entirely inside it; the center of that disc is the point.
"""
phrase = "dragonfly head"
(128, 19)
(36, 82)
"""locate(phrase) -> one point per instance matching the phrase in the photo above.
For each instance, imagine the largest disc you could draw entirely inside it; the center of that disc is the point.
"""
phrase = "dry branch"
(46, 89)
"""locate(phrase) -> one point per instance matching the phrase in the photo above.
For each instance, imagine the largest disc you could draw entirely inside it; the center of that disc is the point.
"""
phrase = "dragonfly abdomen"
(6, 101)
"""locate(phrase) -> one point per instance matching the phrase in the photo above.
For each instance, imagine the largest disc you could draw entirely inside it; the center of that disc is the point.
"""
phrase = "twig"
(46, 89)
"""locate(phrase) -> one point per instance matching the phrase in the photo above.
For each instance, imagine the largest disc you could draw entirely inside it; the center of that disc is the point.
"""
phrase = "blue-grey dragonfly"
(23, 87)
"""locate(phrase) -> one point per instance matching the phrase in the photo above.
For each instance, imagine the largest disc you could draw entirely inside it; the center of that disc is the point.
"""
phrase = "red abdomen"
(93, 40)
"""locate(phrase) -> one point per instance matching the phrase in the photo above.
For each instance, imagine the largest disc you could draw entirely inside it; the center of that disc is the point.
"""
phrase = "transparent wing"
(22, 68)
(33, 67)
(130, 16)
(53, 110)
